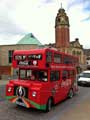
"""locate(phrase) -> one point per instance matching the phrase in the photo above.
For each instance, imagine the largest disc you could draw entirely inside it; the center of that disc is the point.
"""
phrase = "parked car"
(84, 78)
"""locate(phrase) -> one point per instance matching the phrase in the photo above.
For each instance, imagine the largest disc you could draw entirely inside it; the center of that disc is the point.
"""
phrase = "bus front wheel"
(49, 105)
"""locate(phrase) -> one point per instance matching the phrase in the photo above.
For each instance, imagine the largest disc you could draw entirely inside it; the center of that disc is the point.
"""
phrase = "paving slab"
(3, 82)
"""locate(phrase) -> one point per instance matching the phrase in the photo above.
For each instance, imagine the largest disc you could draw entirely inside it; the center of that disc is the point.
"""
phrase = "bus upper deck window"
(19, 57)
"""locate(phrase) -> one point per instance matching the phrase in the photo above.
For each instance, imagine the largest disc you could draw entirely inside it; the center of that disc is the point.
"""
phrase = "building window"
(10, 55)
(78, 53)
(74, 52)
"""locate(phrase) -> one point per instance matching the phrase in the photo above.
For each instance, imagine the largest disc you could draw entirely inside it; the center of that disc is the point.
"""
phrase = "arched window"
(74, 52)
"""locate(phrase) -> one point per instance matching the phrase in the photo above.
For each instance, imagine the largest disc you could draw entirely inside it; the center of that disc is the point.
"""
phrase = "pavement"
(3, 82)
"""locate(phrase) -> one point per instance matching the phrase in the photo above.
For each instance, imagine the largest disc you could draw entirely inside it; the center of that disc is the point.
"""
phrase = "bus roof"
(41, 50)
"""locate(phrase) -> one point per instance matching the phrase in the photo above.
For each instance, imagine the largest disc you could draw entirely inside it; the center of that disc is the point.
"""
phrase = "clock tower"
(62, 37)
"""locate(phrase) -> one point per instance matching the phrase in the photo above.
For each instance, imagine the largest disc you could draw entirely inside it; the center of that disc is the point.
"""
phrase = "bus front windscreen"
(39, 75)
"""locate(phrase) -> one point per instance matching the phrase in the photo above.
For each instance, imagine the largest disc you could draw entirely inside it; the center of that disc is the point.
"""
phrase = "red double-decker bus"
(45, 77)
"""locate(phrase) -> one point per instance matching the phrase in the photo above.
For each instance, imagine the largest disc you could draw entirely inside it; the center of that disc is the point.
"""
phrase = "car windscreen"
(86, 75)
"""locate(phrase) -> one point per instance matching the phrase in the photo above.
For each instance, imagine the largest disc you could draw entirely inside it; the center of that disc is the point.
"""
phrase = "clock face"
(62, 19)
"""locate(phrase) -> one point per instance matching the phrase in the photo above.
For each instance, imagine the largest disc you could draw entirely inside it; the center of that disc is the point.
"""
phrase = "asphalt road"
(9, 111)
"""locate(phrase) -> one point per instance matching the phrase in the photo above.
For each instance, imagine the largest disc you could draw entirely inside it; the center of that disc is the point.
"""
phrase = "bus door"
(55, 85)
(64, 83)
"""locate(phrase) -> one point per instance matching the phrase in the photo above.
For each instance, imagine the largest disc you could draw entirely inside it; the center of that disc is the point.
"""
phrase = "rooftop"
(29, 39)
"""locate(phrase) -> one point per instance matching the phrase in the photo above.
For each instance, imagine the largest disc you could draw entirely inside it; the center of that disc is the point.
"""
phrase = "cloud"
(7, 25)
(47, 1)
(86, 19)
(83, 4)
(9, 39)
(19, 17)
(8, 5)
(86, 6)
(72, 3)
(10, 31)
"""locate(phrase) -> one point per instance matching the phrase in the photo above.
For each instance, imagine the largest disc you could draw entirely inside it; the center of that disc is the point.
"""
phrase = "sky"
(20, 17)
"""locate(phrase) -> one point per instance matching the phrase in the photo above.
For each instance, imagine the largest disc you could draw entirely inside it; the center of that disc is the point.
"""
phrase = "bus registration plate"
(20, 103)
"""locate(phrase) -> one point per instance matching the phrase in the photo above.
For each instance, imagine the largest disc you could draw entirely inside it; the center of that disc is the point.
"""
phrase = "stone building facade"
(77, 50)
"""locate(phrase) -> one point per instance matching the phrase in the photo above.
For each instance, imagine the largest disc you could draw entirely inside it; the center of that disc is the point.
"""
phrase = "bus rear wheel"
(49, 105)
(71, 93)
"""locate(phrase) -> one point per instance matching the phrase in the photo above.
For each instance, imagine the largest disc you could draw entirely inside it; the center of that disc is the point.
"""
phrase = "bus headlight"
(34, 94)
(9, 89)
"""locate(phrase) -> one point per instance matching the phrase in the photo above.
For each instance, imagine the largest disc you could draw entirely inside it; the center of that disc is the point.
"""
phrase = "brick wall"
(62, 36)
(5, 70)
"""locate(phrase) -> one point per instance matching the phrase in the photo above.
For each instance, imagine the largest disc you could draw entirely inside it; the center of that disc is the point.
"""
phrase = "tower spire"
(61, 5)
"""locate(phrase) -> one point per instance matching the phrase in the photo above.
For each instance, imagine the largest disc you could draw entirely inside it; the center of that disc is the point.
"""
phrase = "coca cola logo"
(20, 91)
